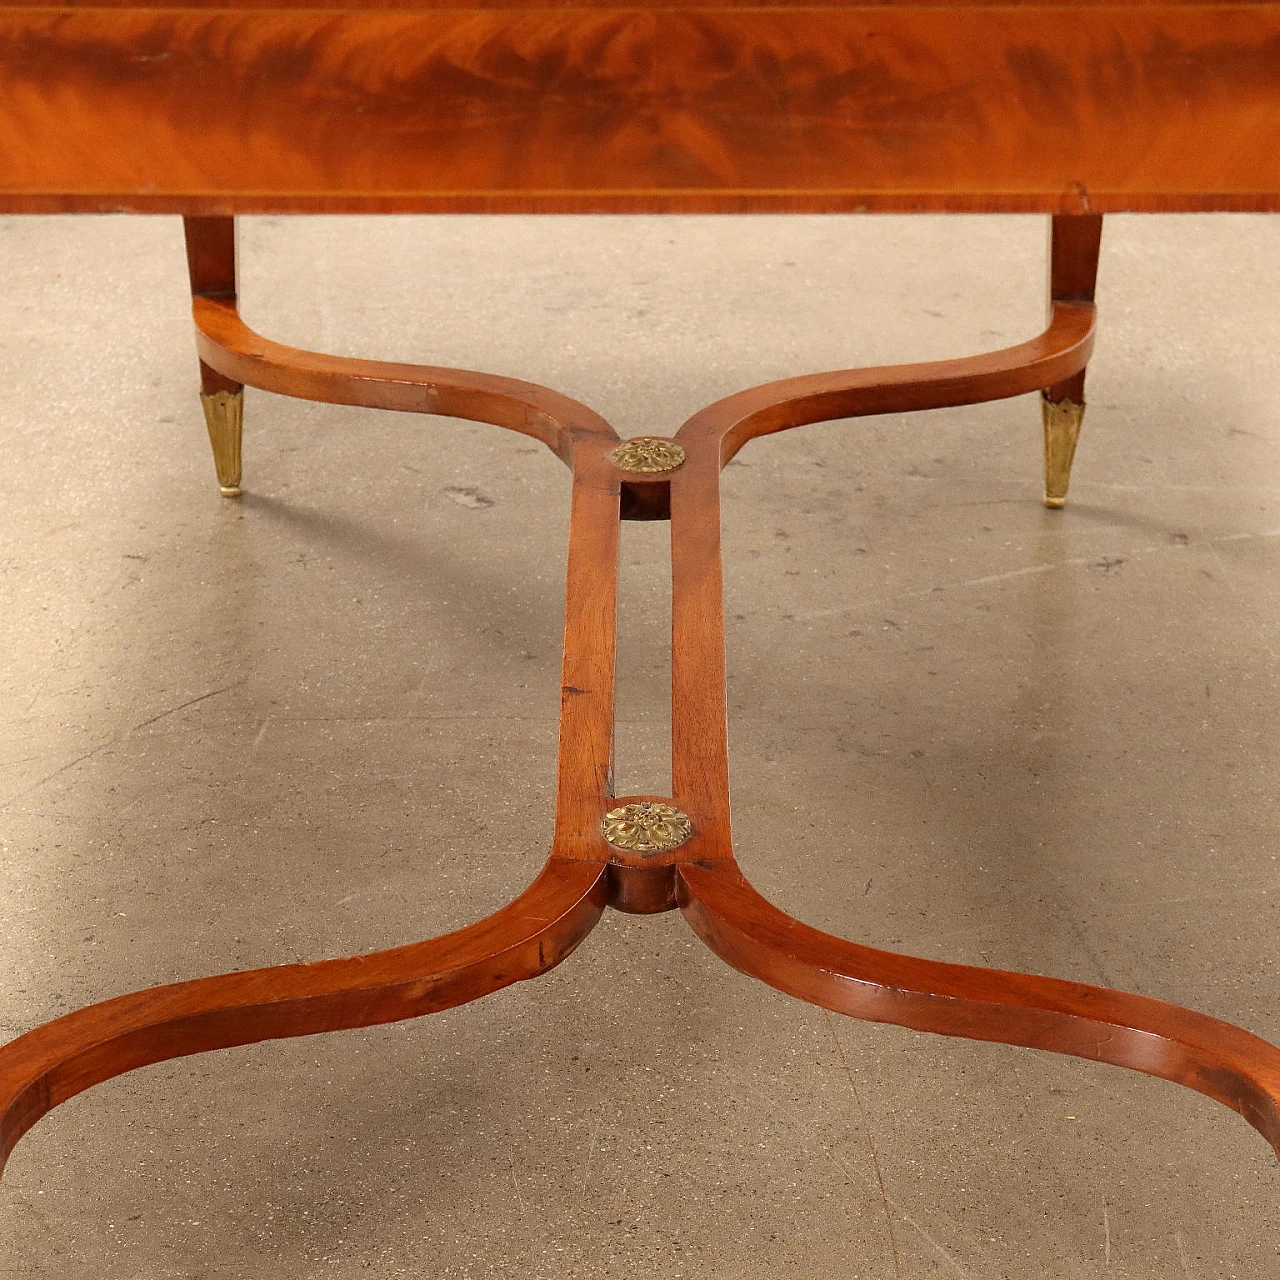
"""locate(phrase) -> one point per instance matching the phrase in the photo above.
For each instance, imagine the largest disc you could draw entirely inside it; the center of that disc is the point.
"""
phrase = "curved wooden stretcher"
(667, 851)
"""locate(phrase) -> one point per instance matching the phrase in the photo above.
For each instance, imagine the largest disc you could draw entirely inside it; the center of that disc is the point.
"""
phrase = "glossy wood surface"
(1073, 277)
(1228, 1064)
(584, 872)
(527, 937)
(222, 108)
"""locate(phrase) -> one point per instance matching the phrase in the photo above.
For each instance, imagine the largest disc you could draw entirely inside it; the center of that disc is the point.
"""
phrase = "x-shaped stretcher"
(641, 854)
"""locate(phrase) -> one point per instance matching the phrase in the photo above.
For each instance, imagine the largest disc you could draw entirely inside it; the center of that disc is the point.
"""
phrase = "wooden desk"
(217, 109)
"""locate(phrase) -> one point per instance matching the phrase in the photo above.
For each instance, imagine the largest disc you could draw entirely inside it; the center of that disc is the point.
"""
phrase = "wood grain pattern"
(530, 935)
(227, 344)
(674, 6)
(1215, 1058)
(1056, 108)
(1061, 351)
(213, 270)
(1074, 244)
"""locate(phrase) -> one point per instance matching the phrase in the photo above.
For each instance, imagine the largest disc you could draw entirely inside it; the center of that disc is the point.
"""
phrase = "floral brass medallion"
(647, 827)
(647, 454)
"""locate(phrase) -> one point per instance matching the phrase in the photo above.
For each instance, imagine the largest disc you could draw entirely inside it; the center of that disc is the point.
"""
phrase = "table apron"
(1022, 108)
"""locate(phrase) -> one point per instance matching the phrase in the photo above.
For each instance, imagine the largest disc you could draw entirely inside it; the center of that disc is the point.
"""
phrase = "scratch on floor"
(591, 1151)
(1073, 562)
(831, 1155)
(182, 706)
(428, 719)
(37, 1216)
(1082, 940)
(49, 777)
(1217, 555)
(871, 1146)
(9, 764)
(1106, 1233)
(1181, 488)
(1182, 1256)
(88, 755)
(1242, 896)
(68, 639)
(1228, 577)
(394, 1064)
(262, 733)
(948, 1259)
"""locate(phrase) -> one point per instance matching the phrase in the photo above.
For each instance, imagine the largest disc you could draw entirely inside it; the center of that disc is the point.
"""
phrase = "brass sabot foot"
(1062, 419)
(224, 416)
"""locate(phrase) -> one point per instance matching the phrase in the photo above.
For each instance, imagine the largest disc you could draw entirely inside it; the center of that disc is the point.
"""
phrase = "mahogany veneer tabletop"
(213, 109)
(211, 106)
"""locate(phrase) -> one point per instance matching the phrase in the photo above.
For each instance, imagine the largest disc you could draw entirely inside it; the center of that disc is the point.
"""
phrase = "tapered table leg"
(211, 260)
(1074, 241)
